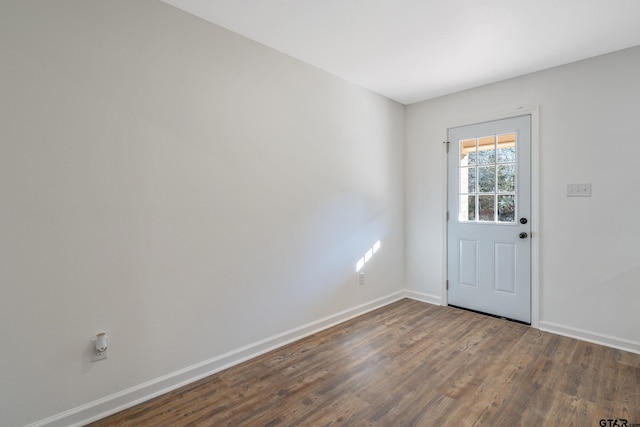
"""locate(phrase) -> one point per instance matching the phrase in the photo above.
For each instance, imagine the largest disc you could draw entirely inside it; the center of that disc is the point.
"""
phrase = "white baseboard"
(116, 402)
(419, 296)
(592, 337)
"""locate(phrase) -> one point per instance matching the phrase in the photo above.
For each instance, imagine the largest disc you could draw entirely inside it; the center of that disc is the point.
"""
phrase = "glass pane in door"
(468, 208)
(467, 180)
(486, 207)
(486, 150)
(468, 152)
(506, 208)
(506, 178)
(506, 148)
(488, 177)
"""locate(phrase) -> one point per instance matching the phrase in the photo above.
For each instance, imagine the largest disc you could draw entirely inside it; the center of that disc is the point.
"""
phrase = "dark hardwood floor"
(412, 364)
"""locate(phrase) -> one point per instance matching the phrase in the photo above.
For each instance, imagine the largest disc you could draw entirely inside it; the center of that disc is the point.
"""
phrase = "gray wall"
(186, 190)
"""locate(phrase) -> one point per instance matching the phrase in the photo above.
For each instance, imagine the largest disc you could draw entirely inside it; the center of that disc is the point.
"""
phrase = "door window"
(488, 179)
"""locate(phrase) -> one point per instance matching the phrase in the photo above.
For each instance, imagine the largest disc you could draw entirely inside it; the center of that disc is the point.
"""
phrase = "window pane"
(506, 155)
(486, 179)
(468, 180)
(468, 208)
(486, 150)
(507, 178)
(506, 208)
(486, 208)
(507, 148)
(468, 152)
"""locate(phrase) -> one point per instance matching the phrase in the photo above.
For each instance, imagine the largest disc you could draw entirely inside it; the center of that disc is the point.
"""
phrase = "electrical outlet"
(579, 190)
(100, 347)
(361, 278)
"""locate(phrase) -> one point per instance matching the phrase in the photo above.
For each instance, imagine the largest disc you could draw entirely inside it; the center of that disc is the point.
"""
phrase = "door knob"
(523, 220)
(523, 235)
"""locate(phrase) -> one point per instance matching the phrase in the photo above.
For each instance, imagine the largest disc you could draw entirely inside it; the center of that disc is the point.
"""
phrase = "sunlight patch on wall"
(367, 256)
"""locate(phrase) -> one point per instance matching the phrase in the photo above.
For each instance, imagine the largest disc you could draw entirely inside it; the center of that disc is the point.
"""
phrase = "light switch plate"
(579, 190)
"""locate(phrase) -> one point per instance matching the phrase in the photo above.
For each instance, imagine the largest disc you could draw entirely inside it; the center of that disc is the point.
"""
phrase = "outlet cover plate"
(99, 355)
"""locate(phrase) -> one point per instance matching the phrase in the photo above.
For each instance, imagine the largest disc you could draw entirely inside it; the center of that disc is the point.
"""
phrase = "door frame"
(534, 112)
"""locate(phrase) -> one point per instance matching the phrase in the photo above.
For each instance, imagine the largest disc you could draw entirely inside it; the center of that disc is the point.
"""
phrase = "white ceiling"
(412, 50)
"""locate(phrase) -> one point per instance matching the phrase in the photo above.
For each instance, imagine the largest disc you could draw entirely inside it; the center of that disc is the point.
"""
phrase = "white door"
(489, 228)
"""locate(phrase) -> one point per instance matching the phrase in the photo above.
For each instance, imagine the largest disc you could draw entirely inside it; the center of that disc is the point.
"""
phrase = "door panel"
(505, 267)
(469, 263)
(489, 191)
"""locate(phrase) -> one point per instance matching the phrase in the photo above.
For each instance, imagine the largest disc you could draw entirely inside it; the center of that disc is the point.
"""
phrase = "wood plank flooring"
(411, 364)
